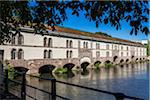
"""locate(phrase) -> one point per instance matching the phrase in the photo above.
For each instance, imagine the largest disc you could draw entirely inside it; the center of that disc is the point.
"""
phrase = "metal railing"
(52, 94)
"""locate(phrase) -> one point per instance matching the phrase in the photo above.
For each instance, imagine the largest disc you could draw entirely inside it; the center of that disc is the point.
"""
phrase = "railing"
(52, 94)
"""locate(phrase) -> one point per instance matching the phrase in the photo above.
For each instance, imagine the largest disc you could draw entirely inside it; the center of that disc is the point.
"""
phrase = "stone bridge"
(34, 65)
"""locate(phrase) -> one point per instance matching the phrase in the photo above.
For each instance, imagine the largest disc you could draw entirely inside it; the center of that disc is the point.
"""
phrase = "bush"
(11, 70)
(61, 70)
(108, 65)
(97, 64)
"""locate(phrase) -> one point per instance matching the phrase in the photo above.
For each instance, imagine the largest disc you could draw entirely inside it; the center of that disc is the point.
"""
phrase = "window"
(127, 53)
(45, 53)
(67, 43)
(49, 42)
(78, 44)
(70, 45)
(115, 47)
(20, 39)
(13, 54)
(121, 53)
(70, 54)
(67, 54)
(86, 44)
(107, 46)
(45, 42)
(50, 54)
(20, 54)
(107, 54)
(127, 48)
(13, 40)
(97, 54)
(121, 47)
(97, 45)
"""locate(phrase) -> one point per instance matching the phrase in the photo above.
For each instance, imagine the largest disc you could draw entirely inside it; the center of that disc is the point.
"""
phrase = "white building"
(64, 43)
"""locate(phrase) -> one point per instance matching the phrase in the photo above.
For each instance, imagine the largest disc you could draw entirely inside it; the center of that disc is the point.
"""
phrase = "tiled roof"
(97, 36)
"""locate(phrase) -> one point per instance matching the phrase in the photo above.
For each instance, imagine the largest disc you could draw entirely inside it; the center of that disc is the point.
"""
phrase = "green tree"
(101, 33)
(17, 13)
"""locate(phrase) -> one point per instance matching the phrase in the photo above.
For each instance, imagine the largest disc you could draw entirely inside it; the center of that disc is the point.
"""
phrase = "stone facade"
(59, 48)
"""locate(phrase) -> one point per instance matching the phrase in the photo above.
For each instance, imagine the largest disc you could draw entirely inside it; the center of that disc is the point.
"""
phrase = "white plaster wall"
(37, 52)
(33, 39)
(102, 45)
(61, 42)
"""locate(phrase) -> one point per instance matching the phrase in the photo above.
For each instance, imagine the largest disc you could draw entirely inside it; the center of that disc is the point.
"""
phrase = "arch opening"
(97, 64)
(20, 69)
(84, 65)
(121, 61)
(115, 58)
(107, 61)
(127, 60)
(69, 66)
(137, 59)
(46, 69)
(132, 57)
(140, 59)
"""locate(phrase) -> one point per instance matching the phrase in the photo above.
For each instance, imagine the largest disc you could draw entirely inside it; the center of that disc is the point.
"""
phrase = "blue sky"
(81, 23)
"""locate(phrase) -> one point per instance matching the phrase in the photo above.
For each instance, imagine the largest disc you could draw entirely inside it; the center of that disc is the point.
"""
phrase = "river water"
(131, 79)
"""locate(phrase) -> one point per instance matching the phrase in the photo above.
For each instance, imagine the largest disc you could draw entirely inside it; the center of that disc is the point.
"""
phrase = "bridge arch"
(47, 68)
(137, 59)
(132, 56)
(84, 64)
(121, 61)
(140, 59)
(115, 58)
(107, 61)
(21, 69)
(85, 59)
(97, 63)
(69, 66)
(127, 60)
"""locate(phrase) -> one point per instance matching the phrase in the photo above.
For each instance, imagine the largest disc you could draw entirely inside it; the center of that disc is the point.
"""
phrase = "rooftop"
(88, 34)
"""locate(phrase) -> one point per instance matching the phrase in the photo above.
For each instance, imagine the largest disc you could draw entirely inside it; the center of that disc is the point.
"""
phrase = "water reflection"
(131, 79)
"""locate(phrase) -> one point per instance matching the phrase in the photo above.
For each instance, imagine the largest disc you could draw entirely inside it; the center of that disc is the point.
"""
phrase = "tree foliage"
(16, 13)
(103, 34)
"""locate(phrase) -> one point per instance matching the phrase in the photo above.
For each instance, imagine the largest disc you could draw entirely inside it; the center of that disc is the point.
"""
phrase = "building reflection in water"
(127, 79)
